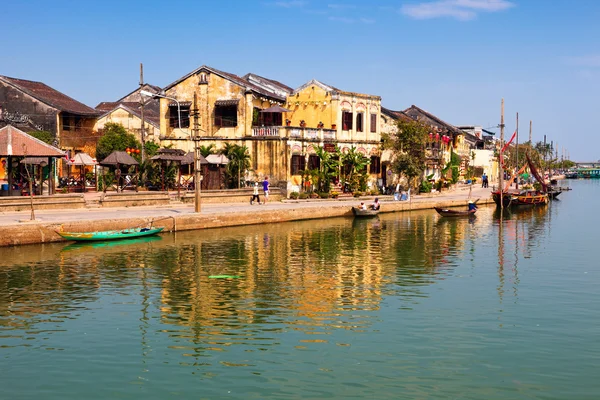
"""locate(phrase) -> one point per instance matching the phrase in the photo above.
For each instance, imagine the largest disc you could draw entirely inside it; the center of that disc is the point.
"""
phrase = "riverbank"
(18, 229)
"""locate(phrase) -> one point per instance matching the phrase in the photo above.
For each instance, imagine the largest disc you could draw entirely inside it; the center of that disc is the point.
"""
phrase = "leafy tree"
(115, 138)
(151, 148)
(44, 136)
(408, 150)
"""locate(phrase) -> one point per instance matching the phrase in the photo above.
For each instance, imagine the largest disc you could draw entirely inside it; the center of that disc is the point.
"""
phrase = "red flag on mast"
(514, 135)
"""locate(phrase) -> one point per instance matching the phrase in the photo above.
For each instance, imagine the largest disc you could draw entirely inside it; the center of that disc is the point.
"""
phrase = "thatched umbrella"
(189, 160)
(83, 160)
(116, 159)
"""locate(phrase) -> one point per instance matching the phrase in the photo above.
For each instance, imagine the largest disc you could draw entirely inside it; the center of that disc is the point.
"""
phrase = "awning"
(229, 102)
(275, 109)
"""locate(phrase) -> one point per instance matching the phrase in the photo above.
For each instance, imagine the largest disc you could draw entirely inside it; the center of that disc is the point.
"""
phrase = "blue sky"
(454, 58)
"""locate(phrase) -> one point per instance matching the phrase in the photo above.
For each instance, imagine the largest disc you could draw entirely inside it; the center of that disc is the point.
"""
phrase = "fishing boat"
(506, 196)
(530, 198)
(359, 213)
(109, 235)
(445, 212)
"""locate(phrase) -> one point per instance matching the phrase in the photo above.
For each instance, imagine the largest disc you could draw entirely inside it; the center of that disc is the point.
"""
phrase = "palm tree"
(329, 168)
(355, 164)
(207, 150)
(239, 161)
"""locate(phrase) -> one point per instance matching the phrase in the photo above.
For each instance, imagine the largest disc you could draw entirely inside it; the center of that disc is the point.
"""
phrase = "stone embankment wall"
(40, 232)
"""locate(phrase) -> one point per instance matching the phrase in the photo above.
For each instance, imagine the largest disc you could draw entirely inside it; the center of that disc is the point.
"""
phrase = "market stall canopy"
(119, 158)
(82, 159)
(189, 159)
(169, 155)
(275, 109)
(15, 142)
(217, 159)
(35, 160)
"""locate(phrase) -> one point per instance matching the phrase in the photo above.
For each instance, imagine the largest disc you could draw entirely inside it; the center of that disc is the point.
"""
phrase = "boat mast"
(501, 169)
(517, 162)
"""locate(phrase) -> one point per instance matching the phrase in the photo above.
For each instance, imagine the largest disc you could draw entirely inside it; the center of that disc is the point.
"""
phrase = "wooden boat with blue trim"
(109, 235)
(445, 212)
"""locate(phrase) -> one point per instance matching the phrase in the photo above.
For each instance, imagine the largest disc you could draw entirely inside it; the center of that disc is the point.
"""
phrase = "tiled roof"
(50, 96)
(232, 78)
(15, 142)
(396, 114)
(333, 89)
(418, 114)
(151, 109)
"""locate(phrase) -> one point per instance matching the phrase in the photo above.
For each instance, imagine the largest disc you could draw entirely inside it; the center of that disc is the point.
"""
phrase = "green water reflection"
(401, 306)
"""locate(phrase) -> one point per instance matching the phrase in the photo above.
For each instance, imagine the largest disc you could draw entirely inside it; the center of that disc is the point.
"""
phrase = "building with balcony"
(324, 116)
(281, 127)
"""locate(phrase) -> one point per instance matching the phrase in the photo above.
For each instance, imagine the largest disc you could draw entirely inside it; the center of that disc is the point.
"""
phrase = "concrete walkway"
(17, 228)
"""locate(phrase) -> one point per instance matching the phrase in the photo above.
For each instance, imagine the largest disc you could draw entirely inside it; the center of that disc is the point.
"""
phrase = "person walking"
(266, 189)
(255, 195)
(483, 180)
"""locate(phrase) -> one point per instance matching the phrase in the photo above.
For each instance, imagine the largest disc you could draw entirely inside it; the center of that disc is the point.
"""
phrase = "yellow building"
(217, 108)
(281, 127)
(322, 115)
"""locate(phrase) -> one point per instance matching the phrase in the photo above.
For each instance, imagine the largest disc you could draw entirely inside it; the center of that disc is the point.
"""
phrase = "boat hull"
(358, 213)
(454, 213)
(110, 235)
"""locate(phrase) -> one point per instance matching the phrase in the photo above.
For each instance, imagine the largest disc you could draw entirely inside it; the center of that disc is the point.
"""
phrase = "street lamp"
(197, 175)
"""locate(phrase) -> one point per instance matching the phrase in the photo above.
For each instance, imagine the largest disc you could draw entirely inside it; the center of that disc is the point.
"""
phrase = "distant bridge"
(588, 164)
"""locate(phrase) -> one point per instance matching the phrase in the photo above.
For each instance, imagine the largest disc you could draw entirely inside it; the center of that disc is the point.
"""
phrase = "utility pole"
(143, 131)
(197, 156)
(530, 142)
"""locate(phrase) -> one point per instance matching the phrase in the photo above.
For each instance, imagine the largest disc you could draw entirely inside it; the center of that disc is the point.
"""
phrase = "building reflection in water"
(312, 277)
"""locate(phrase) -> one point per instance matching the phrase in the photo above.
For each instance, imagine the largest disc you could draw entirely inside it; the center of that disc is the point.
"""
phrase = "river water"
(405, 306)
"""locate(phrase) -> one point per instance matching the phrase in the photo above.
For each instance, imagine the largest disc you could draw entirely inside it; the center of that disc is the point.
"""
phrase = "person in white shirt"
(255, 195)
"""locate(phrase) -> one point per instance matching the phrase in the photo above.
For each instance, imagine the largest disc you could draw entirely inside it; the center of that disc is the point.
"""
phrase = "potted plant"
(333, 126)
(320, 125)
(288, 122)
(302, 123)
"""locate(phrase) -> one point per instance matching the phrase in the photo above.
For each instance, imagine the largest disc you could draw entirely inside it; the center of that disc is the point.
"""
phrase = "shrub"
(303, 196)
(294, 195)
(324, 195)
(314, 195)
(357, 194)
(335, 194)
(425, 187)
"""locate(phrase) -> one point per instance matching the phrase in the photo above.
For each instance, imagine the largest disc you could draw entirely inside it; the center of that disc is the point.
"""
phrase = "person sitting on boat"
(472, 206)
(376, 204)
(362, 206)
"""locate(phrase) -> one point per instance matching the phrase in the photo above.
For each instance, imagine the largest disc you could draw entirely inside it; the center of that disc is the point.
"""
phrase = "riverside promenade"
(17, 228)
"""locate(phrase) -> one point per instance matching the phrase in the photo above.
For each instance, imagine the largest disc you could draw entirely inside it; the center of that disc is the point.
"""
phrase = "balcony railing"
(294, 132)
(265, 131)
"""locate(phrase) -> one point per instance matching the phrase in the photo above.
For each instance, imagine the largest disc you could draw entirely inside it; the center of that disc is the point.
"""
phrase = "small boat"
(445, 212)
(530, 198)
(109, 235)
(364, 213)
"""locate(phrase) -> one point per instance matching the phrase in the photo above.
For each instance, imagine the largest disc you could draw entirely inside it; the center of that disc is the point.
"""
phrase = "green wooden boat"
(109, 235)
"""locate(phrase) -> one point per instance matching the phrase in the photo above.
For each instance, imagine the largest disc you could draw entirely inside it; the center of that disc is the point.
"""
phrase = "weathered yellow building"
(325, 116)
(217, 107)
(128, 112)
